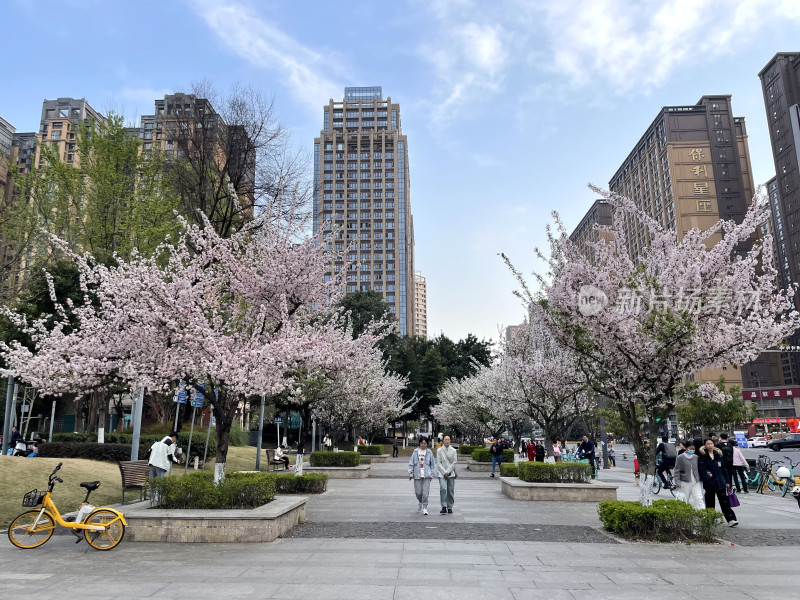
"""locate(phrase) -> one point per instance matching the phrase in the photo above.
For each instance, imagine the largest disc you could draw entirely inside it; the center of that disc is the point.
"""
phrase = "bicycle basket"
(32, 498)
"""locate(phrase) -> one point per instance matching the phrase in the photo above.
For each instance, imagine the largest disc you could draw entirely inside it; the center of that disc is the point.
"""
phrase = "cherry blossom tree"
(642, 325)
(233, 317)
(548, 384)
(488, 401)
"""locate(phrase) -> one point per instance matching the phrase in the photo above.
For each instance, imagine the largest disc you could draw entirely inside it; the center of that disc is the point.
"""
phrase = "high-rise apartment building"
(420, 305)
(588, 230)
(8, 158)
(362, 202)
(780, 82)
(186, 126)
(59, 126)
(690, 169)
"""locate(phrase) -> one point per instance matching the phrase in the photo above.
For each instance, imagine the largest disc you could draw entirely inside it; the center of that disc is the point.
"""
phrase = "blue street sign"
(180, 393)
(197, 401)
(278, 420)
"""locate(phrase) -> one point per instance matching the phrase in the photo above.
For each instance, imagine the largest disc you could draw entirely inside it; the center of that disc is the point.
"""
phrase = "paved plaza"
(364, 539)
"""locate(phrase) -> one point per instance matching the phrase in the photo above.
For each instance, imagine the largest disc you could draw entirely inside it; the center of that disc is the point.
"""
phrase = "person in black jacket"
(496, 450)
(539, 451)
(726, 447)
(666, 453)
(586, 450)
(715, 480)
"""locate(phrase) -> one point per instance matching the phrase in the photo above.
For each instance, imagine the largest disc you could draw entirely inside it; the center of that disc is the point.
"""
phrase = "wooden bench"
(273, 462)
(134, 476)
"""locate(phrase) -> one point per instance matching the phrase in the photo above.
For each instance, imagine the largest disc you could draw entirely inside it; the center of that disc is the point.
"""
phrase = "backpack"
(670, 451)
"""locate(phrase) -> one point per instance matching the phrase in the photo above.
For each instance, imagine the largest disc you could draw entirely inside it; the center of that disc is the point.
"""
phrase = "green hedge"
(197, 490)
(145, 442)
(287, 483)
(539, 472)
(374, 450)
(91, 451)
(483, 455)
(335, 459)
(509, 470)
(664, 521)
(464, 449)
(366, 460)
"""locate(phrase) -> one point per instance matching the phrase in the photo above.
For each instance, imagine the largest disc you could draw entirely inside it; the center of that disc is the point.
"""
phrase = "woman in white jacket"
(422, 468)
(687, 476)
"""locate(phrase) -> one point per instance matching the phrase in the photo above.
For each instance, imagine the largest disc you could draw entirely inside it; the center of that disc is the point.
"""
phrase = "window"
(55, 135)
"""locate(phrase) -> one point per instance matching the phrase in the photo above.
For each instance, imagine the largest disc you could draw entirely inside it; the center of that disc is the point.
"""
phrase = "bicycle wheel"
(771, 486)
(672, 487)
(108, 539)
(656, 484)
(22, 534)
(787, 486)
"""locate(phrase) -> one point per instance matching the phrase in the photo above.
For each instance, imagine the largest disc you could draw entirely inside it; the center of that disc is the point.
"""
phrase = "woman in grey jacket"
(422, 468)
(688, 476)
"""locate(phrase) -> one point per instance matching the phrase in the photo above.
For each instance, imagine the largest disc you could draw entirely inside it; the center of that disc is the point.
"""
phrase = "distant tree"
(364, 308)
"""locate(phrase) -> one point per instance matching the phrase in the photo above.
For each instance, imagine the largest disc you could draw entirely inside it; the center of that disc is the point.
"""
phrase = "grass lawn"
(20, 475)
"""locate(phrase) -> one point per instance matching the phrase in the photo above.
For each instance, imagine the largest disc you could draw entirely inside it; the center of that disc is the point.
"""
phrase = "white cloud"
(476, 49)
(633, 44)
(469, 56)
(264, 45)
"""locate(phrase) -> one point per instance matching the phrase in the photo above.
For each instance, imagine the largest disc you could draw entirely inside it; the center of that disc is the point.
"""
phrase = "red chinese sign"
(770, 420)
(771, 393)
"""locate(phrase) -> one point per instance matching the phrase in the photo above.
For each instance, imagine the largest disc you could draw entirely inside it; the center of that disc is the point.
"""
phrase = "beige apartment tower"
(362, 202)
(420, 306)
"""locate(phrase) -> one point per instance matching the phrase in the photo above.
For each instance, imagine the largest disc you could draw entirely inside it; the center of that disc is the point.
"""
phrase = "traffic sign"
(180, 393)
(278, 420)
(198, 399)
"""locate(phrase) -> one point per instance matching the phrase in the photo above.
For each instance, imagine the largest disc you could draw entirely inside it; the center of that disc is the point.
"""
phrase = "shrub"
(239, 437)
(538, 472)
(197, 490)
(366, 460)
(664, 521)
(335, 459)
(91, 451)
(483, 455)
(311, 483)
(117, 446)
(374, 450)
(464, 449)
(509, 470)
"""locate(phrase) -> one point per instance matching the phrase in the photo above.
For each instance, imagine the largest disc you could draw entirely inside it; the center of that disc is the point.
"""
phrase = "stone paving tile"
(540, 594)
(411, 592)
(303, 591)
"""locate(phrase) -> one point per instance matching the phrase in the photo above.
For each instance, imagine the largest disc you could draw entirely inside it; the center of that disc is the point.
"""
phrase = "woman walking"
(446, 458)
(715, 480)
(422, 468)
(687, 476)
(556, 451)
(739, 469)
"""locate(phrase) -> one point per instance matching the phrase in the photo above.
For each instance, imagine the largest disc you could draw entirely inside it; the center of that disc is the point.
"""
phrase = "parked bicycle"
(103, 528)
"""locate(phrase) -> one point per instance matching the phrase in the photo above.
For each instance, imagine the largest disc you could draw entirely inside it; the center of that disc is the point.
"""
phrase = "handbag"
(732, 498)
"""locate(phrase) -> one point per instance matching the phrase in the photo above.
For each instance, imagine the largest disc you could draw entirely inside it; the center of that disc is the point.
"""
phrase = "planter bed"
(263, 524)
(516, 489)
(479, 467)
(379, 458)
(359, 472)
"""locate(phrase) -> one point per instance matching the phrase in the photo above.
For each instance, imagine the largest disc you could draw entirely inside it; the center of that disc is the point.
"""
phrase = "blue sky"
(510, 106)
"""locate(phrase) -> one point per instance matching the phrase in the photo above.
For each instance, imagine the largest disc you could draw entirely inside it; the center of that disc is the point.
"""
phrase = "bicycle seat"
(90, 485)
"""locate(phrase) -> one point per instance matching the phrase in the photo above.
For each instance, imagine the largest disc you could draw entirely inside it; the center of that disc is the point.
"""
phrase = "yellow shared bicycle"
(103, 528)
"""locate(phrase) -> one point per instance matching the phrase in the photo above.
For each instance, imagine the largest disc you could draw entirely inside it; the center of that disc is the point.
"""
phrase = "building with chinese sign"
(690, 169)
(588, 230)
(774, 405)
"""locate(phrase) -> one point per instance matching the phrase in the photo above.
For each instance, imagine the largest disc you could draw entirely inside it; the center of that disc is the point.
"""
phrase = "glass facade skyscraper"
(362, 201)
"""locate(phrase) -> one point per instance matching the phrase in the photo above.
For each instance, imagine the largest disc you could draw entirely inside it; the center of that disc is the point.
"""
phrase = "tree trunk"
(224, 415)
